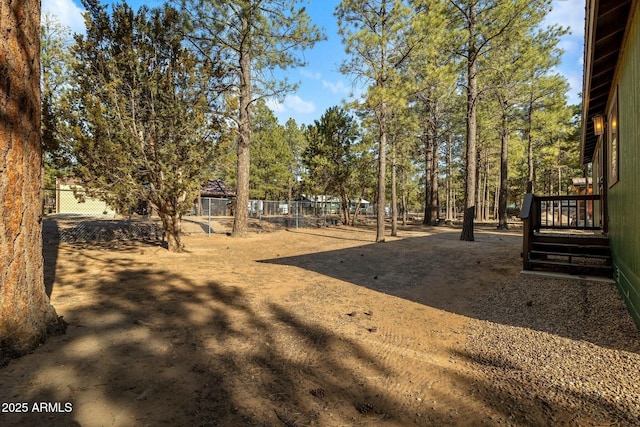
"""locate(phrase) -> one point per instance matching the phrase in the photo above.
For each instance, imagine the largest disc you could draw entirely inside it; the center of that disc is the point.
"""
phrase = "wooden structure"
(610, 144)
(560, 235)
(215, 189)
(612, 91)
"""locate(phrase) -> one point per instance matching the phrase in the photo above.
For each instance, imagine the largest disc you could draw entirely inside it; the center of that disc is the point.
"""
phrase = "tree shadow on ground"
(203, 225)
(50, 245)
(81, 232)
(481, 280)
(148, 347)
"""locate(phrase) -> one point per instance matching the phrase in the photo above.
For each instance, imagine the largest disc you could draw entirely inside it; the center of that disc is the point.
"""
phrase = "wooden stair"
(571, 254)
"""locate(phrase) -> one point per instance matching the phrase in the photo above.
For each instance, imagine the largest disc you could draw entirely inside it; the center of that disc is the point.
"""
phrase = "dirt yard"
(323, 327)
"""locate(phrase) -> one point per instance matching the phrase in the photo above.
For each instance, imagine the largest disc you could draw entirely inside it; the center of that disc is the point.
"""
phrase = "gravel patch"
(564, 350)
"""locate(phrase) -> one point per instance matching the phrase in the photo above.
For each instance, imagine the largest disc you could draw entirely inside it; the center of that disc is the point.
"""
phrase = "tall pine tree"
(245, 40)
(26, 315)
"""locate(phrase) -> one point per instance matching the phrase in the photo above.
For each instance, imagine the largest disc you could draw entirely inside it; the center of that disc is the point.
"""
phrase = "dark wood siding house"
(602, 228)
(611, 108)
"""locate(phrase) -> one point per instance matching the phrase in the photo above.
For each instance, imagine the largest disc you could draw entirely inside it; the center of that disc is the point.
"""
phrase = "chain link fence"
(213, 215)
(74, 202)
(83, 218)
(72, 216)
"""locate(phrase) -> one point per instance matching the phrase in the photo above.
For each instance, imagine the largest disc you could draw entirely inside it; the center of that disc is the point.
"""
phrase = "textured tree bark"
(428, 176)
(504, 165)
(171, 226)
(435, 199)
(530, 155)
(26, 316)
(241, 215)
(382, 173)
(394, 190)
(450, 200)
(470, 161)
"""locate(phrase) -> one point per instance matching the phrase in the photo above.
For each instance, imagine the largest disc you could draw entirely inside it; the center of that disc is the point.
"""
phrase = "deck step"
(571, 254)
(568, 264)
(571, 240)
(572, 249)
(571, 245)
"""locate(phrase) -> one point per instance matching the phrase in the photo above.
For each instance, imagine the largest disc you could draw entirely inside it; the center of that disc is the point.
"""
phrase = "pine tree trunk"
(450, 207)
(504, 164)
(428, 174)
(403, 196)
(435, 201)
(344, 201)
(394, 193)
(530, 158)
(485, 189)
(26, 315)
(241, 218)
(382, 172)
(470, 160)
(356, 212)
(478, 187)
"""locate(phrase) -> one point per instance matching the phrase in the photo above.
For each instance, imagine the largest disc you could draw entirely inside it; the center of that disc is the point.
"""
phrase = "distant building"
(580, 185)
(217, 189)
(215, 199)
(71, 199)
(321, 204)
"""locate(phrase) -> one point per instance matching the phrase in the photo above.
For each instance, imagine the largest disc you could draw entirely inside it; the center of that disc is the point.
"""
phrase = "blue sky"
(321, 84)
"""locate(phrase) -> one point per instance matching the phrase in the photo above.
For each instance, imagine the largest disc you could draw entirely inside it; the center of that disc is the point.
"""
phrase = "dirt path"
(303, 327)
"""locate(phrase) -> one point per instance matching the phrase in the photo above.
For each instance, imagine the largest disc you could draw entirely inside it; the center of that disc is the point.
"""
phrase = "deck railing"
(557, 213)
(567, 212)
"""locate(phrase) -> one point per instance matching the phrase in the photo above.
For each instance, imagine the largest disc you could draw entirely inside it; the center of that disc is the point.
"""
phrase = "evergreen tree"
(272, 156)
(142, 126)
(55, 63)
(295, 140)
(543, 89)
(329, 158)
(379, 40)
(483, 26)
(245, 40)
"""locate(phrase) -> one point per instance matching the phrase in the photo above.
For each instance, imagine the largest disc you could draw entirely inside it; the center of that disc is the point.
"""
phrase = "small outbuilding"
(72, 200)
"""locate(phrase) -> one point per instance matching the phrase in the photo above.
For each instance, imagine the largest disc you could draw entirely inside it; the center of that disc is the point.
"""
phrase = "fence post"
(209, 217)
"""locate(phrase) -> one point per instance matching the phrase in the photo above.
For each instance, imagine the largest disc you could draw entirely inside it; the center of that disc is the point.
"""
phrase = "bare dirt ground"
(313, 326)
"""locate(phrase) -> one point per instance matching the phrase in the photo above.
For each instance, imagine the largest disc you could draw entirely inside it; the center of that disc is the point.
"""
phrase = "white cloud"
(574, 79)
(310, 74)
(570, 45)
(275, 106)
(291, 104)
(297, 105)
(67, 13)
(568, 13)
(338, 87)
(575, 87)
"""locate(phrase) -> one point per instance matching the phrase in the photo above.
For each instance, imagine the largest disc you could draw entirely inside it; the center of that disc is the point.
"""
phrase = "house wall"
(624, 196)
(69, 204)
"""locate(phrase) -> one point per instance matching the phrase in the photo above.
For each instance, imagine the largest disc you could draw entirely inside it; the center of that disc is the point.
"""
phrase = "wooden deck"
(560, 236)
